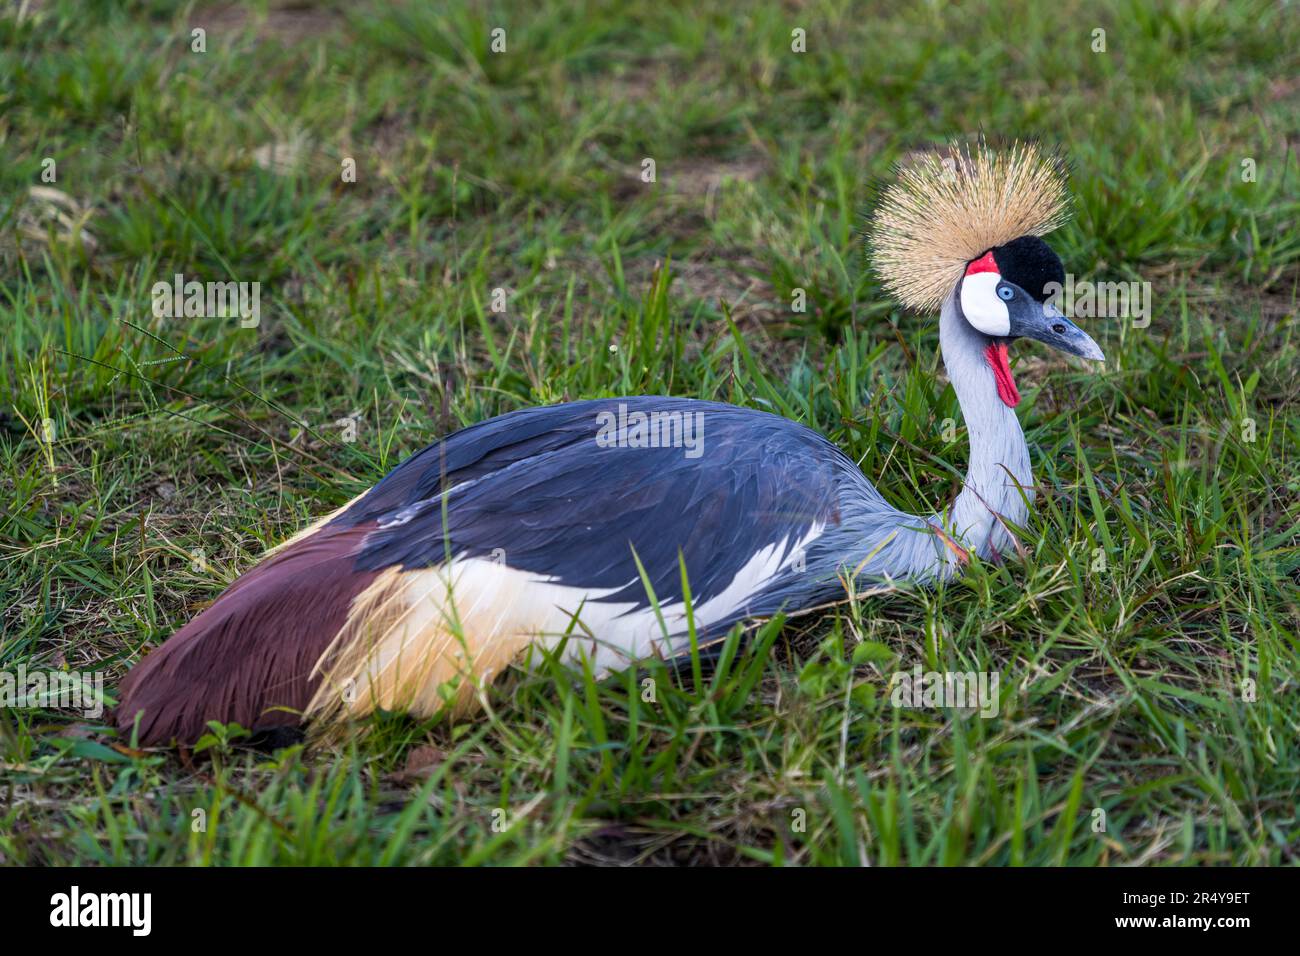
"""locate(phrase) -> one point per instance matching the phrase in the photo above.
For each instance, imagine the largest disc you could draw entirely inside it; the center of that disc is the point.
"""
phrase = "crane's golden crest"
(945, 209)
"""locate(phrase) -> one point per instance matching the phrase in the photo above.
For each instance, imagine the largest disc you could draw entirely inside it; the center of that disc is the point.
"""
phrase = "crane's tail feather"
(249, 657)
(306, 636)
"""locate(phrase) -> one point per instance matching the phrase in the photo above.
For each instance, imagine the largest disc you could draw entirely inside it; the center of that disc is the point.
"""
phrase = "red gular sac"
(996, 356)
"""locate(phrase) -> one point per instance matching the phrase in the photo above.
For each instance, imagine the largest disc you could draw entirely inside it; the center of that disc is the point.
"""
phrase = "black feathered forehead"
(1030, 263)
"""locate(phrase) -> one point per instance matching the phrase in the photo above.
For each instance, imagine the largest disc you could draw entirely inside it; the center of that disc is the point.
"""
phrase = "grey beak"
(1048, 325)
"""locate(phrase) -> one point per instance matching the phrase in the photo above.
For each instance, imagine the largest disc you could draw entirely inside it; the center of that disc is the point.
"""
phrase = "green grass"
(1161, 560)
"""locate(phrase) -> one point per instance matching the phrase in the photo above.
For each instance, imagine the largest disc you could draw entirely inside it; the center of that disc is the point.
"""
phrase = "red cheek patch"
(996, 356)
(984, 263)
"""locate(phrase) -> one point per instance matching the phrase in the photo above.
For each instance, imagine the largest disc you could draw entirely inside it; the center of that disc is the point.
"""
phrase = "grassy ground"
(1161, 561)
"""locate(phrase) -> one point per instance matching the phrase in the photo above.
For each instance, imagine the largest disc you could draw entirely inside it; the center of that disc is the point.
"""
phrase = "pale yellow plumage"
(408, 646)
(945, 209)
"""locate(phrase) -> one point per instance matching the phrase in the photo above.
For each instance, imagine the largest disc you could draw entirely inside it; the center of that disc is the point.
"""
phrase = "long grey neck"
(998, 485)
(880, 542)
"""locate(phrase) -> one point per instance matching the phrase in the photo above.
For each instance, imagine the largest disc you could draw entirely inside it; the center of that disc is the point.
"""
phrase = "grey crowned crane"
(548, 522)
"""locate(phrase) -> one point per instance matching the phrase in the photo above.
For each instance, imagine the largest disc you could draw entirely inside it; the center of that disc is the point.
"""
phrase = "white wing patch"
(417, 640)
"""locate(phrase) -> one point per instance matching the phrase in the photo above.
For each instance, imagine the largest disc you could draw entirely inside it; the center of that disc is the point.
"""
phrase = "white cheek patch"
(981, 305)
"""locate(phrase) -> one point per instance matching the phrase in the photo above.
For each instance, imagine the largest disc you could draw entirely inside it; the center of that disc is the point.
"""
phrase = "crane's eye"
(1005, 293)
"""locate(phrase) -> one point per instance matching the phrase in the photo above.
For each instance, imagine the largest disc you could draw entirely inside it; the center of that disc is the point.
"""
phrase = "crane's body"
(577, 523)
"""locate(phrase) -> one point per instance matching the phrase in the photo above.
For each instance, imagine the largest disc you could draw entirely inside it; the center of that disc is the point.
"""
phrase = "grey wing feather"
(536, 485)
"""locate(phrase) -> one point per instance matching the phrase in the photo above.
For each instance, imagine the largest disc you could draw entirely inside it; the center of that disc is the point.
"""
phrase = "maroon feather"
(254, 649)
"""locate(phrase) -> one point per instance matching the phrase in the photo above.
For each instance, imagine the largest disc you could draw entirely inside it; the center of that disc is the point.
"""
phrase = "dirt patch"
(704, 177)
(694, 179)
(619, 845)
(288, 23)
(638, 82)
(721, 276)
(50, 217)
(713, 281)
(1282, 89)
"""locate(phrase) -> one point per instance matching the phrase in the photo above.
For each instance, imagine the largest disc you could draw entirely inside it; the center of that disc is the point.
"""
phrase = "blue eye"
(1005, 292)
